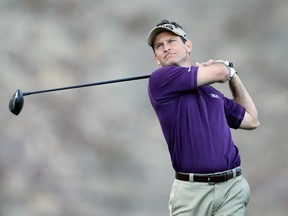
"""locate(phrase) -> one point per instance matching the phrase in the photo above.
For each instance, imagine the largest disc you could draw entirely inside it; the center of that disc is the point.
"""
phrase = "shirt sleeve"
(168, 82)
(234, 113)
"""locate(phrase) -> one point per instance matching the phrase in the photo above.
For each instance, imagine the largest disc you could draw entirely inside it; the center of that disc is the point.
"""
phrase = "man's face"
(170, 50)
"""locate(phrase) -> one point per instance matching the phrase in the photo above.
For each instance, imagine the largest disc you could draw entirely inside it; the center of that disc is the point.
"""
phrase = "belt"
(211, 178)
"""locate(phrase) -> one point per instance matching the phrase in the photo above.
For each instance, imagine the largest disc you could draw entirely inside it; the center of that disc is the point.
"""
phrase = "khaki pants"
(201, 199)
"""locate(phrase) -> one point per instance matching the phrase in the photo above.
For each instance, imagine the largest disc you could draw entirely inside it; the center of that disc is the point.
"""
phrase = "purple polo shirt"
(195, 121)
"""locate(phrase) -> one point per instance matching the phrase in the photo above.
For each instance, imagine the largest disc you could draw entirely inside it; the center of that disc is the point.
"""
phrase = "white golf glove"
(232, 71)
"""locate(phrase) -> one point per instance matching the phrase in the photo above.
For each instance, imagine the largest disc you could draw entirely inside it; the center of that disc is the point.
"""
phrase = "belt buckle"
(210, 182)
(211, 176)
(214, 175)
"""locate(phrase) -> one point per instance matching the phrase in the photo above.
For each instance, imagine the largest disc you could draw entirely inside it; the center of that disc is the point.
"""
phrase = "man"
(196, 119)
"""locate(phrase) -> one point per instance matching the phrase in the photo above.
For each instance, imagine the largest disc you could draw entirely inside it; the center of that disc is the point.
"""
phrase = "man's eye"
(171, 40)
(158, 46)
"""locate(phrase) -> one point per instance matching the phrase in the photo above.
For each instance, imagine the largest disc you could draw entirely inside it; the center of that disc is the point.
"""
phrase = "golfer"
(196, 119)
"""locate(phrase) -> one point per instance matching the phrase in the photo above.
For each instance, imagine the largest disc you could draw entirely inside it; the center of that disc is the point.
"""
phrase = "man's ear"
(188, 46)
(157, 60)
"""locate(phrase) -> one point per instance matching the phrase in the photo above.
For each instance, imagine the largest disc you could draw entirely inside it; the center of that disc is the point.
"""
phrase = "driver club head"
(16, 102)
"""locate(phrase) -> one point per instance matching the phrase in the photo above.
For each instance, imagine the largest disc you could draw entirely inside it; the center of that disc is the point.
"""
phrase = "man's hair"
(164, 21)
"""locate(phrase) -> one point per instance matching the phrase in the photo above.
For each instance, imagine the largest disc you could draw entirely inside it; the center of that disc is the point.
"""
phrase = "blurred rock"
(100, 151)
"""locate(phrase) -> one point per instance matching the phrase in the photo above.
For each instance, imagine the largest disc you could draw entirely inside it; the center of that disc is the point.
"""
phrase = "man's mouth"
(168, 55)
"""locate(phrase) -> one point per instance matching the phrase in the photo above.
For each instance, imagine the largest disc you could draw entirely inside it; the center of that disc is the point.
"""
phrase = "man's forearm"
(241, 96)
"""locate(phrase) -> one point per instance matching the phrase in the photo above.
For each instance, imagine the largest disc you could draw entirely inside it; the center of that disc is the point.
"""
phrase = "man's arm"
(241, 96)
(211, 72)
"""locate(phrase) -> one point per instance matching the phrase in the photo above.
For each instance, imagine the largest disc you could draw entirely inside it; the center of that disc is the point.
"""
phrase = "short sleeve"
(169, 82)
(234, 113)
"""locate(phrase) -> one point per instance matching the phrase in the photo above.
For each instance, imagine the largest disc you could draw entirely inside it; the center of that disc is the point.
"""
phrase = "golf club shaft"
(230, 64)
(87, 85)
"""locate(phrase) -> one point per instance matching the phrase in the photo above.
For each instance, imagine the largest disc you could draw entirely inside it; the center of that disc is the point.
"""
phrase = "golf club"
(17, 100)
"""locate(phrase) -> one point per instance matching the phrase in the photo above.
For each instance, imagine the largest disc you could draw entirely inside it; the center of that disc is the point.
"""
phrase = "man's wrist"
(229, 65)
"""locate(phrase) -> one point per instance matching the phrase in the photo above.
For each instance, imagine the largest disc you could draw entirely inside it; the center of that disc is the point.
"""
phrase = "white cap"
(165, 27)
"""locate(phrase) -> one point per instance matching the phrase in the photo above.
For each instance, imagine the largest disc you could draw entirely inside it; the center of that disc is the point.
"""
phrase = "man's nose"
(166, 47)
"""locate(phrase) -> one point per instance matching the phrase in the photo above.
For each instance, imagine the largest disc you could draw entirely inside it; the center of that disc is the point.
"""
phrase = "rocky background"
(100, 151)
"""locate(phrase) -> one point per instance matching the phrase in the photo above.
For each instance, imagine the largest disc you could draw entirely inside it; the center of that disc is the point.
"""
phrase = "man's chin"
(169, 63)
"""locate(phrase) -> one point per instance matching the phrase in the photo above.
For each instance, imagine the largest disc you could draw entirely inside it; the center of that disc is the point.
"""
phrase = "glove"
(232, 71)
(227, 63)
